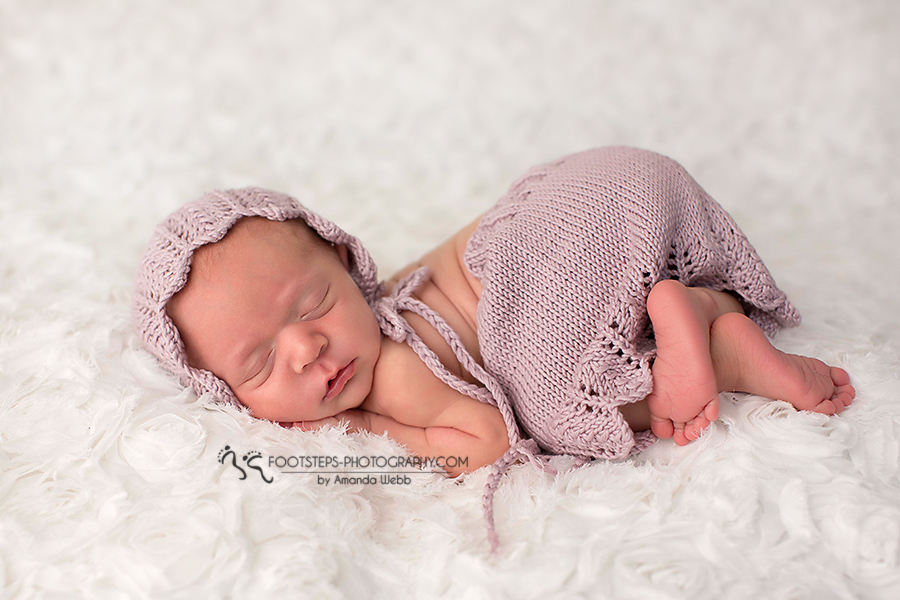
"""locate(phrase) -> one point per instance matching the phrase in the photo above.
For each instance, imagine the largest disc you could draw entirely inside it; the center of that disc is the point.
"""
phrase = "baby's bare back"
(453, 293)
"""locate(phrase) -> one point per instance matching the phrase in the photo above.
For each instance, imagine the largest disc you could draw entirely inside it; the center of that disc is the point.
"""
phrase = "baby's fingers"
(315, 425)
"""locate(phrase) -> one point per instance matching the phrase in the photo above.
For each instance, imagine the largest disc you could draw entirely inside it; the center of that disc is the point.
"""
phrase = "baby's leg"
(685, 395)
(705, 345)
(745, 361)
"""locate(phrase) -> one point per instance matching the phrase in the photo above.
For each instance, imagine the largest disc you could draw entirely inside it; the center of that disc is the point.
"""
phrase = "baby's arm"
(426, 415)
(473, 445)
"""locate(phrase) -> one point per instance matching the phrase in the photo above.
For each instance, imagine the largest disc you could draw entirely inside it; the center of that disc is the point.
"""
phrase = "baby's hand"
(354, 418)
(314, 425)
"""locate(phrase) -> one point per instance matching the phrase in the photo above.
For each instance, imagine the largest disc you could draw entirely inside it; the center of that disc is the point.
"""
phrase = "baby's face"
(272, 311)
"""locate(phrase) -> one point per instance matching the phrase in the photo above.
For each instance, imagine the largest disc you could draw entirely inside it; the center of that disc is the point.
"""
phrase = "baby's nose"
(303, 346)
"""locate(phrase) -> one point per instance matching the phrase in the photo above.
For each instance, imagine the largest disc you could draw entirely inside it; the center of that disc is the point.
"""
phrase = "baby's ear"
(344, 254)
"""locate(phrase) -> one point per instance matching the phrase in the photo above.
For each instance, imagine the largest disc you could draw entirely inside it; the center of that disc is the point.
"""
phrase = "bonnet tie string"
(387, 312)
(524, 450)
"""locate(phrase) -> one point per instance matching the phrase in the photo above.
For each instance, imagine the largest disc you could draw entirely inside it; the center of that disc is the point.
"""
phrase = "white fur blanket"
(402, 121)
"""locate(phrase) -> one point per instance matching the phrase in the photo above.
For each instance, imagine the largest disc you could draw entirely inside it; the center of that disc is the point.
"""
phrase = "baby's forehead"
(293, 235)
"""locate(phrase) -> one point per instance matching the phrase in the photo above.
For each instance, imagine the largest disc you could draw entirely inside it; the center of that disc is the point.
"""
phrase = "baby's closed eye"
(318, 309)
(262, 371)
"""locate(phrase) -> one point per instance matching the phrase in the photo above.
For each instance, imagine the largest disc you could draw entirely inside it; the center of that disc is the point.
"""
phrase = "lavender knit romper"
(567, 259)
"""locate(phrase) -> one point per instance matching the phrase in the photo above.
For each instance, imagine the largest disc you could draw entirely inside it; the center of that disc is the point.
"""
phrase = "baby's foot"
(685, 395)
(745, 361)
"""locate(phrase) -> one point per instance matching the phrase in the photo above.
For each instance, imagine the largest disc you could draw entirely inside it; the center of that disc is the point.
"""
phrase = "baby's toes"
(830, 406)
(696, 427)
(839, 376)
(711, 412)
(679, 436)
(662, 428)
(844, 395)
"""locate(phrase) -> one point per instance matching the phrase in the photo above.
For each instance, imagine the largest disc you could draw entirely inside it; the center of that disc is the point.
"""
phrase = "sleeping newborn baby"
(602, 303)
(273, 311)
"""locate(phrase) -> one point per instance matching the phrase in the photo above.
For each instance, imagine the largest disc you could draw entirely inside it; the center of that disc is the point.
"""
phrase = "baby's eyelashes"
(318, 310)
(262, 373)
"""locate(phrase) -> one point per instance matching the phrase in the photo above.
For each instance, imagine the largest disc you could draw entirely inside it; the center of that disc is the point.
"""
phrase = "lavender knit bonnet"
(167, 261)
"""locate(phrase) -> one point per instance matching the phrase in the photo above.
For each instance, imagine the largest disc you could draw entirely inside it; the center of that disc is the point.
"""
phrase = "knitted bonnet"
(166, 263)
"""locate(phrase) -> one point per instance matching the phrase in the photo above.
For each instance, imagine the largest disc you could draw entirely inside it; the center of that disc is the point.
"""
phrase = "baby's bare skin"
(706, 345)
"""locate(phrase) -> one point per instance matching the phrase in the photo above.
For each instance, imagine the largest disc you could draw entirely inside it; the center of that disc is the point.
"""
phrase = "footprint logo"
(252, 456)
(223, 455)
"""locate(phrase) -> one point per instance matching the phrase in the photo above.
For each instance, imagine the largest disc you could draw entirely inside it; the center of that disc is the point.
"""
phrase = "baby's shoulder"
(405, 389)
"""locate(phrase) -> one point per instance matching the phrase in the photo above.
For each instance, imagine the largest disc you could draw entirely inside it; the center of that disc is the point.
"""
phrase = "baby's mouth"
(340, 379)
